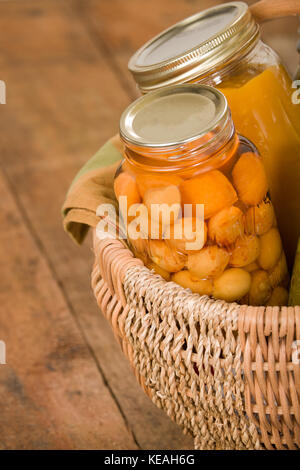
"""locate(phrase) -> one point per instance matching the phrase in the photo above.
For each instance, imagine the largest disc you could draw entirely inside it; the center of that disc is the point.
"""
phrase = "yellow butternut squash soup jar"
(193, 196)
(221, 47)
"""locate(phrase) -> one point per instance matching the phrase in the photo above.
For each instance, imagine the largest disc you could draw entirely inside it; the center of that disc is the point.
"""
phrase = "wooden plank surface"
(52, 394)
(66, 383)
(60, 110)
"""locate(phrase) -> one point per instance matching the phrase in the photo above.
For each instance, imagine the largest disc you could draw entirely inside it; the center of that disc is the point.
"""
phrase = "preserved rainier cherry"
(198, 210)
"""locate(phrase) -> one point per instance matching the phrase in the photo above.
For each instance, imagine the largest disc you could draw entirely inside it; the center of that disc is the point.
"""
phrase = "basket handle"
(266, 10)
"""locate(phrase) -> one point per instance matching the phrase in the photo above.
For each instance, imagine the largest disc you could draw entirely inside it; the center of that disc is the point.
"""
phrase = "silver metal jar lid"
(173, 117)
(194, 46)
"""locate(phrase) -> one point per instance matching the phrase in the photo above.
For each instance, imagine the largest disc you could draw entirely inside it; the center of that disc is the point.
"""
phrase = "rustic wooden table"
(66, 384)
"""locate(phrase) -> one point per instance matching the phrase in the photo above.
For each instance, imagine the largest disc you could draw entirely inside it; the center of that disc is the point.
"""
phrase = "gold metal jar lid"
(193, 47)
(175, 117)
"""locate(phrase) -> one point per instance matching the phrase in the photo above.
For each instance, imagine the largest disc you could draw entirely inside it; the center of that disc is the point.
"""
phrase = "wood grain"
(120, 27)
(52, 395)
(60, 109)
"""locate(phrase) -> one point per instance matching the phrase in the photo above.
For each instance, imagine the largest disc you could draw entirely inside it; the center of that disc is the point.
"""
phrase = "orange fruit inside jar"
(198, 210)
(221, 46)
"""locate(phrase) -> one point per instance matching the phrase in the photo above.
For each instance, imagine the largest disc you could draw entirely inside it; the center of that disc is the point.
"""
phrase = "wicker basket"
(227, 374)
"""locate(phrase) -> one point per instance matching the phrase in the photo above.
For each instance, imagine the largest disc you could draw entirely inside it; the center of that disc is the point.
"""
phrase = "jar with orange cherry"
(221, 46)
(193, 195)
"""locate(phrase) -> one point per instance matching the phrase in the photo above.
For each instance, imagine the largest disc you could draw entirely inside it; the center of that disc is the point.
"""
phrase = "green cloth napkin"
(92, 186)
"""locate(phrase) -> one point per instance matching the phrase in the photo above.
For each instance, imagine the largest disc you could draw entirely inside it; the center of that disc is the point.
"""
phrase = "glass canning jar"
(194, 199)
(221, 47)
